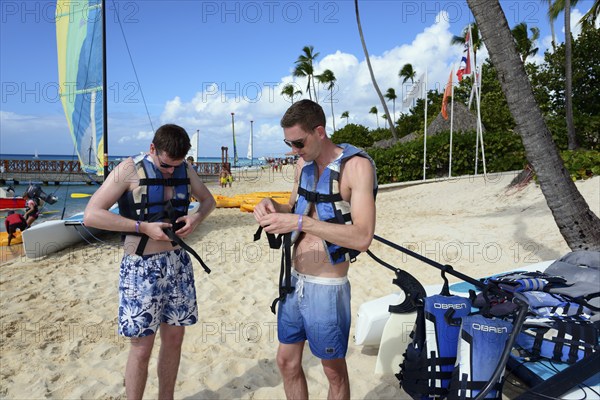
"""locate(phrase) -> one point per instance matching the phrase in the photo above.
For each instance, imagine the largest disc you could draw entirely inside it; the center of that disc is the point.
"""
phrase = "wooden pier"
(62, 171)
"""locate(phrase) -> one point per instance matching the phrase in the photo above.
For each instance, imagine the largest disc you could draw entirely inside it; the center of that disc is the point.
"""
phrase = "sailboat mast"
(104, 95)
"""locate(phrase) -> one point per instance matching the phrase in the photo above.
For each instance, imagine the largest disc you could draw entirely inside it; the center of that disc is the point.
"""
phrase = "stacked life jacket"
(147, 201)
(429, 359)
(558, 326)
(324, 193)
(453, 353)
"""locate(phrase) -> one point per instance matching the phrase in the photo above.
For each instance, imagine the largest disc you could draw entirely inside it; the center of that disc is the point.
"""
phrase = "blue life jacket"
(325, 195)
(429, 360)
(482, 341)
(147, 201)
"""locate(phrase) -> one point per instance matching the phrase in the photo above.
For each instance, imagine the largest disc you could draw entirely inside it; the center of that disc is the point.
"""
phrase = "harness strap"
(164, 181)
(285, 271)
(315, 197)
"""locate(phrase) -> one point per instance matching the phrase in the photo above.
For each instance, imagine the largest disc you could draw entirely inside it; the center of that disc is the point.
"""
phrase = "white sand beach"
(58, 314)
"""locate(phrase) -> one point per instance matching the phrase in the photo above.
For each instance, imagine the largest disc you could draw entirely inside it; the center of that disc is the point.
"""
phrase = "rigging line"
(133, 65)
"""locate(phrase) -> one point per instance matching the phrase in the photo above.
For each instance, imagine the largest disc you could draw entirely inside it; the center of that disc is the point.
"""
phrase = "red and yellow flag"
(447, 93)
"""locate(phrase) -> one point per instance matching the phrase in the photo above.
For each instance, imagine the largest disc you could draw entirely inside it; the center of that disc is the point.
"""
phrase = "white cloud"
(210, 110)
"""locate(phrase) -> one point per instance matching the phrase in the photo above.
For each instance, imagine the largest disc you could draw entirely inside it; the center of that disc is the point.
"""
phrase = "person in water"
(156, 278)
(318, 309)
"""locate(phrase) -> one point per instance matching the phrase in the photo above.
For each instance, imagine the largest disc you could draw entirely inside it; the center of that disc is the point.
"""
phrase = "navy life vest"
(147, 201)
(325, 195)
(429, 360)
(482, 341)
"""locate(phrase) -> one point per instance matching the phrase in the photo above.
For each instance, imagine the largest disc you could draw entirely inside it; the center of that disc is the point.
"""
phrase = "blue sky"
(199, 61)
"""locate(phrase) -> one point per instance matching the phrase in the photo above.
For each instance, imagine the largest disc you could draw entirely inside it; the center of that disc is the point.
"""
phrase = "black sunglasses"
(299, 143)
(164, 165)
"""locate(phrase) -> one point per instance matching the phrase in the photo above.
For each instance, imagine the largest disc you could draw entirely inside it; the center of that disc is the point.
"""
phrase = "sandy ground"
(58, 314)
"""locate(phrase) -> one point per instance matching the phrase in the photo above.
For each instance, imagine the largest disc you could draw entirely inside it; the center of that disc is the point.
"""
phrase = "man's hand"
(191, 222)
(155, 230)
(264, 208)
(279, 222)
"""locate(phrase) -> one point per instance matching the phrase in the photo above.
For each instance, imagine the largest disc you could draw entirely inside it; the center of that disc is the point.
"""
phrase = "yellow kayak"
(253, 198)
(17, 239)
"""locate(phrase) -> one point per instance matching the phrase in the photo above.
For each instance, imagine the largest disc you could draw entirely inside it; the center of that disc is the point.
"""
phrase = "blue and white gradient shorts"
(317, 311)
(153, 289)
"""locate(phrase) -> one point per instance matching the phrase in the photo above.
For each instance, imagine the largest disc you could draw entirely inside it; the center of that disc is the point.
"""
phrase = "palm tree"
(346, 114)
(589, 19)
(368, 59)
(290, 92)
(475, 40)
(385, 120)
(579, 226)
(391, 95)
(524, 42)
(557, 7)
(373, 110)
(304, 68)
(328, 78)
(407, 72)
(551, 20)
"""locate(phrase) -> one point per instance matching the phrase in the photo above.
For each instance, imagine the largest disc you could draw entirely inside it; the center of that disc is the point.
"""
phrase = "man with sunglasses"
(156, 278)
(330, 219)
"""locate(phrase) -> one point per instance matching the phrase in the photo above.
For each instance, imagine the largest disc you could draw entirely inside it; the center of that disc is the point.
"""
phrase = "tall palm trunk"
(552, 29)
(364, 46)
(572, 138)
(579, 226)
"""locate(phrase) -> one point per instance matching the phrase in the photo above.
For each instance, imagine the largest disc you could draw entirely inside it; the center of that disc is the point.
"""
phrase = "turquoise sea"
(66, 204)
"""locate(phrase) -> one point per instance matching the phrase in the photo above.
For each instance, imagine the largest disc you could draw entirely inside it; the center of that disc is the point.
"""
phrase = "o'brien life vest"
(325, 194)
(147, 201)
(429, 360)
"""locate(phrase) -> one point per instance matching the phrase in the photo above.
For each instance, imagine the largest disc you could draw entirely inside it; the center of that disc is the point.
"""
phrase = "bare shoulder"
(357, 168)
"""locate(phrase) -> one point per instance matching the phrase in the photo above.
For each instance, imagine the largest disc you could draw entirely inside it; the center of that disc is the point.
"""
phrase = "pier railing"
(58, 171)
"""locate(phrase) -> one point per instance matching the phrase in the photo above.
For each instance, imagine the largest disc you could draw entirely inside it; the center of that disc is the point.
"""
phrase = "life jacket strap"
(164, 181)
(314, 197)
(283, 241)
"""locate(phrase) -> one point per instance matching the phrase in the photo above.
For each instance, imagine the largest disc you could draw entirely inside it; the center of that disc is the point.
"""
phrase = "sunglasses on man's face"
(299, 143)
(165, 165)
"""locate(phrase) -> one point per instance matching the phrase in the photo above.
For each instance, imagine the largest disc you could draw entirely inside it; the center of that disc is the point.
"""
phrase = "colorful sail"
(79, 45)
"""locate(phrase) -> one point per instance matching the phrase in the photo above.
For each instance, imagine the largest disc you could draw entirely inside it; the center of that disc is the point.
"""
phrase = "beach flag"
(465, 61)
(447, 93)
(415, 92)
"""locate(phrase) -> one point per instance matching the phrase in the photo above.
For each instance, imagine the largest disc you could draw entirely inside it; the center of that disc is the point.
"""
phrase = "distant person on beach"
(190, 160)
(224, 177)
(156, 278)
(329, 226)
(229, 179)
(32, 211)
(13, 222)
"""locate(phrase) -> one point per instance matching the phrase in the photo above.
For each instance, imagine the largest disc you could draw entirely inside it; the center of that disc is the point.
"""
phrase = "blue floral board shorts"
(153, 289)
(317, 311)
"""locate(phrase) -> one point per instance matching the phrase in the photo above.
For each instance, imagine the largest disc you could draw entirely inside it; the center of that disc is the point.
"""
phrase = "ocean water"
(67, 205)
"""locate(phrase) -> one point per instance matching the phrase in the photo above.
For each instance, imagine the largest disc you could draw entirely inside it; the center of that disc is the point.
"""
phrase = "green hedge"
(503, 152)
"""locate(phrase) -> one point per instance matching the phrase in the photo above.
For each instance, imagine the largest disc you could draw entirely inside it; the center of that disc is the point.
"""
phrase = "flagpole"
(425, 135)
(451, 122)
(479, 126)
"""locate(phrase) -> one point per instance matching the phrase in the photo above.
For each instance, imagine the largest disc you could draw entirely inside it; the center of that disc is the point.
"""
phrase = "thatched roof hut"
(464, 121)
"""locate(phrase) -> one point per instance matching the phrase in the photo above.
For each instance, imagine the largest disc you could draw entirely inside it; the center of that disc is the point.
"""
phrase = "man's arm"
(358, 173)
(269, 206)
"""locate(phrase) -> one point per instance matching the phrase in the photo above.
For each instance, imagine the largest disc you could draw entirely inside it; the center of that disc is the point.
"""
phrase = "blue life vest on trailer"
(482, 341)
(429, 360)
(147, 201)
(325, 194)
(560, 340)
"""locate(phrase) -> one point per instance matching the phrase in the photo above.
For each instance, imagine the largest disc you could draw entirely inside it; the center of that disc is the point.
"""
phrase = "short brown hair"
(306, 113)
(173, 140)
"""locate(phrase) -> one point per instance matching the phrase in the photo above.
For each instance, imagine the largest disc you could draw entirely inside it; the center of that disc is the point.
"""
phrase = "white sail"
(249, 156)
(194, 149)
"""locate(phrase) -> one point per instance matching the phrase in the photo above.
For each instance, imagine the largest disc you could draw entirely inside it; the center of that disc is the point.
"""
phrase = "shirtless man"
(318, 310)
(156, 278)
